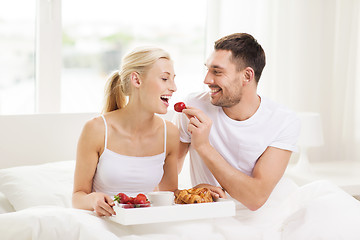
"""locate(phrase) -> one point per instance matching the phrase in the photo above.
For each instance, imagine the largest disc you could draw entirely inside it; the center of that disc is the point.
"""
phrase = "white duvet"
(319, 210)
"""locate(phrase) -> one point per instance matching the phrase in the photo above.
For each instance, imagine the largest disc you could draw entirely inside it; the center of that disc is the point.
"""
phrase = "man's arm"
(252, 191)
(216, 192)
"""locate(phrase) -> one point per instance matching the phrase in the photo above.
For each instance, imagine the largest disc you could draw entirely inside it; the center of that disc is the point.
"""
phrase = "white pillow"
(5, 205)
(45, 184)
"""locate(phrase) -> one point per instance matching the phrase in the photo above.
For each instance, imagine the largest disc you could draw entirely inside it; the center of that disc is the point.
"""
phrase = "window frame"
(48, 56)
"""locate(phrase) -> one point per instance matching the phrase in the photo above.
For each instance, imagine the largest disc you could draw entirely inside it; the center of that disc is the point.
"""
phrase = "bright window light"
(98, 34)
(17, 58)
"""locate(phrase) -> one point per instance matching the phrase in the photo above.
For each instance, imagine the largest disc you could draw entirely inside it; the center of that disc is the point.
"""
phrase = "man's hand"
(199, 127)
(216, 192)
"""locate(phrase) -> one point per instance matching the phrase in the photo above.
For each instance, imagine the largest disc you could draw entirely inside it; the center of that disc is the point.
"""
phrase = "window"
(75, 56)
(17, 58)
(96, 38)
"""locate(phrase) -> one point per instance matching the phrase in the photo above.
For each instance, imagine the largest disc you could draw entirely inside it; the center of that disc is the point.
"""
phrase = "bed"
(36, 172)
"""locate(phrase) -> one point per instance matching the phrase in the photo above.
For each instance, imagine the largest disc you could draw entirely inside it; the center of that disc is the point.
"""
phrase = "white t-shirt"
(240, 143)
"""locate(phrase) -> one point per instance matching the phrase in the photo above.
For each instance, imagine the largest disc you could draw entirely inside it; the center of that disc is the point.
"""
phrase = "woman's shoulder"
(94, 125)
(172, 129)
(92, 135)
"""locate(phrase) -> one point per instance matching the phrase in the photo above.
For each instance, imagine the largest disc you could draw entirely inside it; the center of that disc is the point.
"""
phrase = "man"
(238, 141)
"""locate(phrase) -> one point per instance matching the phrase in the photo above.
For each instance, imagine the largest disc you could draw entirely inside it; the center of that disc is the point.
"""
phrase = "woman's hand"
(102, 204)
(216, 192)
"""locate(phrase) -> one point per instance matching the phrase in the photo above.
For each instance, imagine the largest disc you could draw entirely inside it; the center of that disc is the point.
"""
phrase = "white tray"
(176, 212)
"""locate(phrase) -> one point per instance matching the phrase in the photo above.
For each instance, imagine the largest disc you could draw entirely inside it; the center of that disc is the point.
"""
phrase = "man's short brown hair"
(246, 52)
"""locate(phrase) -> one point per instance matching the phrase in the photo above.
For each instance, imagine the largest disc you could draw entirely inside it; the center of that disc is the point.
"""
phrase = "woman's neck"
(136, 120)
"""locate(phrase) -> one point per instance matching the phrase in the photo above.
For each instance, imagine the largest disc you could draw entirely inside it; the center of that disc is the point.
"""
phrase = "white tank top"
(131, 175)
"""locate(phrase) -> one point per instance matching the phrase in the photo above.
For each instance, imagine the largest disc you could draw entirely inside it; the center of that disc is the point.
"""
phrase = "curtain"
(313, 62)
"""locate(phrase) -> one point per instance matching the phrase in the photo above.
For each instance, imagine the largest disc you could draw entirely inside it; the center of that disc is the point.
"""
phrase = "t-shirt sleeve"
(289, 134)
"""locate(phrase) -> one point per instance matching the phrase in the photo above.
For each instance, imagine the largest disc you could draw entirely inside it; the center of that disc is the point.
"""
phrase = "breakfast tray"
(176, 212)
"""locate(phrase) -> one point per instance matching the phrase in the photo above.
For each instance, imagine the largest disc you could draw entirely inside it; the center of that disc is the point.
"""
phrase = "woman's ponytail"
(114, 96)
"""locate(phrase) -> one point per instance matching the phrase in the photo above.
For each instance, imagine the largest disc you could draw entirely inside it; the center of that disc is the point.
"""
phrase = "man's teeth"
(215, 90)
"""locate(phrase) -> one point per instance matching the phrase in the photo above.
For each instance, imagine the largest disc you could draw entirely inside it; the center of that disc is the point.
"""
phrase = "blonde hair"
(118, 85)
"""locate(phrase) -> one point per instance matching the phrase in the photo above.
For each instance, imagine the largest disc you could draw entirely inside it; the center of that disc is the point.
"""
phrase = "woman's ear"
(135, 79)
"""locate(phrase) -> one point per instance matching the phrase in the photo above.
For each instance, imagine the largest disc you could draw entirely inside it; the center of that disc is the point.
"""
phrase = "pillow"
(45, 184)
(5, 205)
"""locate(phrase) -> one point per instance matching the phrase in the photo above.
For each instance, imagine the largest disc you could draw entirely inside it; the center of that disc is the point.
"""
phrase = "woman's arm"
(89, 146)
(183, 150)
(169, 181)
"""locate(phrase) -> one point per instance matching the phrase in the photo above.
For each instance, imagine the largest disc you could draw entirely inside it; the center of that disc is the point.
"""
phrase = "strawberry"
(179, 106)
(140, 199)
(131, 200)
(121, 198)
(129, 205)
(141, 196)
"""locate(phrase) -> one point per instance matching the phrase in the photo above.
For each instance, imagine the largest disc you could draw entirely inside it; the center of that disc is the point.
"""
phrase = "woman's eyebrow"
(168, 73)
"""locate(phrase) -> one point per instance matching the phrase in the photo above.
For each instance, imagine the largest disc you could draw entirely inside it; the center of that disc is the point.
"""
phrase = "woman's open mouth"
(165, 99)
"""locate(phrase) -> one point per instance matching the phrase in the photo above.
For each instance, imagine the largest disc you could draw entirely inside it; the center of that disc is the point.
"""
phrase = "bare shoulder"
(94, 126)
(93, 133)
(172, 131)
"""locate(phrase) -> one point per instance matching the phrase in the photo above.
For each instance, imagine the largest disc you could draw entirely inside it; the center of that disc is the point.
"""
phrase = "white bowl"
(161, 198)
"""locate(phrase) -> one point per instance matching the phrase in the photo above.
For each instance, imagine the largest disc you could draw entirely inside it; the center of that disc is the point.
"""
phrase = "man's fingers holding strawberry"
(192, 112)
(194, 121)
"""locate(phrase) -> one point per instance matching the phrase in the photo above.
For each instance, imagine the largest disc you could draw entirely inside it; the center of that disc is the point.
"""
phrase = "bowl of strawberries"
(125, 201)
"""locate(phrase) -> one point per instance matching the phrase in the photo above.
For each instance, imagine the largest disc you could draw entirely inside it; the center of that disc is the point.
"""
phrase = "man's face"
(223, 79)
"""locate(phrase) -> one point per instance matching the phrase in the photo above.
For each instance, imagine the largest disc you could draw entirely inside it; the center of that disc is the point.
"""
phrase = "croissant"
(193, 195)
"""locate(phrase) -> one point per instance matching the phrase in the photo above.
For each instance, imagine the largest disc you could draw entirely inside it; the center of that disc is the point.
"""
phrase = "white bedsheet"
(319, 210)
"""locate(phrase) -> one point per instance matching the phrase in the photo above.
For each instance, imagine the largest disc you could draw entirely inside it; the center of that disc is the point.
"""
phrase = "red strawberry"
(121, 198)
(140, 199)
(141, 196)
(131, 200)
(179, 106)
(129, 205)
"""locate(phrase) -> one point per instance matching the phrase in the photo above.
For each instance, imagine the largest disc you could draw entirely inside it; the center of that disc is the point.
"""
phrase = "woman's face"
(158, 85)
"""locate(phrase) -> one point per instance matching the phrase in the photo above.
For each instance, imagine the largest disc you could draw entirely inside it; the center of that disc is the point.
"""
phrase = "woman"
(129, 149)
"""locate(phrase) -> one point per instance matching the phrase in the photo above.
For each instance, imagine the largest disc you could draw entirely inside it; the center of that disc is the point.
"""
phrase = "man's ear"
(249, 74)
(135, 79)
